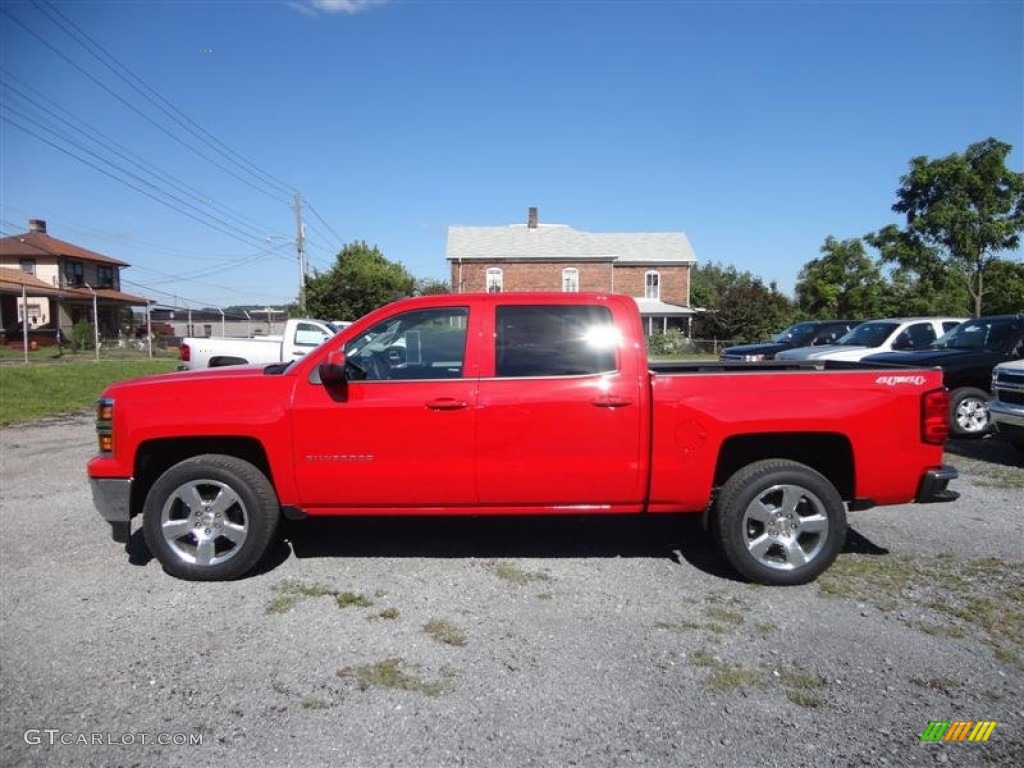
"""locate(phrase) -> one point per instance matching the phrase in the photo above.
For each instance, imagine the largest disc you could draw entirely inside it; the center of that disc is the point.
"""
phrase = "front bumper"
(112, 497)
(933, 485)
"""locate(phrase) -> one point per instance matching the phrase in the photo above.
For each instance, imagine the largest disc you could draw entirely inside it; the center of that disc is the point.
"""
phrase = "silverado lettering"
(513, 404)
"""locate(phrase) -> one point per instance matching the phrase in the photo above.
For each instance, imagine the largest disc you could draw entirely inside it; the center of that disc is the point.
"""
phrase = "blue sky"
(758, 128)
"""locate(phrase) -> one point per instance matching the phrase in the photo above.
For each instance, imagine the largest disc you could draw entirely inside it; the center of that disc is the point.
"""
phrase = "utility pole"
(300, 248)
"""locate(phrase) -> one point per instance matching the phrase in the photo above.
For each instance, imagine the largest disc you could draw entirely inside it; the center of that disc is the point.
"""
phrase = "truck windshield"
(799, 335)
(868, 335)
(988, 334)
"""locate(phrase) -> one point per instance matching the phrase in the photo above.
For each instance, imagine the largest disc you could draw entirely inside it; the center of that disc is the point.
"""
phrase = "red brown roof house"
(652, 267)
(59, 280)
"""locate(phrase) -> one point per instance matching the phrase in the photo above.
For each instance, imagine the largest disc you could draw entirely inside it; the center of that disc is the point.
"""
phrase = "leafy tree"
(739, 305)
(920, 282)
(360, 280)
(843, 283)
(429, 286)
(967, 208)
(1006, 281)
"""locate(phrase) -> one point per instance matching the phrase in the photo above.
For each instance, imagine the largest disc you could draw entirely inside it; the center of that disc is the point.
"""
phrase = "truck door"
(560, 408)
(402, 434)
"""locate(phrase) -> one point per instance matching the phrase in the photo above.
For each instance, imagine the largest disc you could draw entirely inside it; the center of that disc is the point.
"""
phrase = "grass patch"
(680, 626)
(724, 676)
(991, 475)
(765, 628)
(311, 703)
(291, 592)
(804, 699)
(940, 595)
(513, 574)
(445, 632)
(389, 614)
(944, 684)
(723, 616)
(37, 391)
(389, 673)
(801, 680)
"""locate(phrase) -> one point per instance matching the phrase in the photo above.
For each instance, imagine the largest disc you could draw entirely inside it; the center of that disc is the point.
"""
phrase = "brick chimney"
(531, 217)
(37, 225)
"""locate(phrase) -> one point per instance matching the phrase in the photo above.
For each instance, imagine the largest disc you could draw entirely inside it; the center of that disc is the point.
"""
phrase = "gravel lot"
(505, 642)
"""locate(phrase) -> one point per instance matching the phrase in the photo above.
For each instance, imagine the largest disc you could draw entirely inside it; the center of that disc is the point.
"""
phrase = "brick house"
(652, 267)
(61, 283)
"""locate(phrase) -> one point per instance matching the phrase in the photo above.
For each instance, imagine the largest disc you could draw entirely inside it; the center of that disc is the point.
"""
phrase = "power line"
(73, 122)
(244, 238)
(132, 107)
(171, 111)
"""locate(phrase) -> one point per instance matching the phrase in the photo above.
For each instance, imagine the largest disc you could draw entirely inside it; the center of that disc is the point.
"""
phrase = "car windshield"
(798, 335)
(988, 334)
(868, 335)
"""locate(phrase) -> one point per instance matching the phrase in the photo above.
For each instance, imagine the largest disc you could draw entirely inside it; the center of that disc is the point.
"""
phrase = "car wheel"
(210, 517)
(779, 522)
(968, 412)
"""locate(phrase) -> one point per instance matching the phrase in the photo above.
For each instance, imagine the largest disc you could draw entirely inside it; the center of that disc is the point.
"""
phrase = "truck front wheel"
(210, 518)
(779, 522)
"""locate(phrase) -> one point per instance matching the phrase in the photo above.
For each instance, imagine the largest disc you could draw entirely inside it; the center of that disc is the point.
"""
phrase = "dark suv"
(809, 333)
(967, 355)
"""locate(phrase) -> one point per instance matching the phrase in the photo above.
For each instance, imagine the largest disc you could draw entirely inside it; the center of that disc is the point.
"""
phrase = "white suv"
(895, 334)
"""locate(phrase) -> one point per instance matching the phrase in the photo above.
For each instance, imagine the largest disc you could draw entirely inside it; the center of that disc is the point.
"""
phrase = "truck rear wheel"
(210, 518)
(779, 522)
(968, 412)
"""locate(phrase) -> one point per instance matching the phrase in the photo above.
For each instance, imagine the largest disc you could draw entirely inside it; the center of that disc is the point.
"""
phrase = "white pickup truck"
(299, 337)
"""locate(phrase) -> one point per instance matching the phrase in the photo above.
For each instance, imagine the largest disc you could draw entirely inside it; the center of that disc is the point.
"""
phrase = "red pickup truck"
(514, 404)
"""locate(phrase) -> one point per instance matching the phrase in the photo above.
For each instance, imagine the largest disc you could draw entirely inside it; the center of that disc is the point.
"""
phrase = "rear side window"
(554, 341)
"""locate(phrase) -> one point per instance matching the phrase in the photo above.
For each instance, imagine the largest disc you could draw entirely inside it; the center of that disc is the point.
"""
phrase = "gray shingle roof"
(560, 241)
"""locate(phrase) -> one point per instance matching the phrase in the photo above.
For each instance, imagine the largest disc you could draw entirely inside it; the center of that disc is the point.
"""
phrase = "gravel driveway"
(505, 642)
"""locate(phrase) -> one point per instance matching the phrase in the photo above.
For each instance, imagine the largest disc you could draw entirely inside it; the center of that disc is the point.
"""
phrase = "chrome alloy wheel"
(785, 527)
(972, 415)
(204, 522)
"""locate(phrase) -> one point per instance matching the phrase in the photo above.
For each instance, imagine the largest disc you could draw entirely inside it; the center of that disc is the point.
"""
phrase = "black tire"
(968, 412)
(213, 508)
(779, 522)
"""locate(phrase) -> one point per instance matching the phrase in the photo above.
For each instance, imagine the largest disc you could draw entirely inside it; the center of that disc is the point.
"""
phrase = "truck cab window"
(556, 340)
(424, 344)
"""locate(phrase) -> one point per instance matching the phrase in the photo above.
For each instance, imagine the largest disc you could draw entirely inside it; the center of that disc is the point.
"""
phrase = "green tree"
(843, 283)
(747, 311)
(429, 286)
(1006, 286)
(920, 282)
(360, 280)
(967, 208)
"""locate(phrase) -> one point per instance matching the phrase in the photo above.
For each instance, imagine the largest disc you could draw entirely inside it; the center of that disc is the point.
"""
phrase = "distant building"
(652, 267)
(60, 282)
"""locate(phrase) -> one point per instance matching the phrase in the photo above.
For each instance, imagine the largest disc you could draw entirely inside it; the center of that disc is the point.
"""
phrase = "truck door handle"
(610, 401)
(446, 404)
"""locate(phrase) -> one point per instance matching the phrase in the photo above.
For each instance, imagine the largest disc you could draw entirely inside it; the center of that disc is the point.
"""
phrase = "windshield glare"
(868, 335)
(797, 334)
(981, 334)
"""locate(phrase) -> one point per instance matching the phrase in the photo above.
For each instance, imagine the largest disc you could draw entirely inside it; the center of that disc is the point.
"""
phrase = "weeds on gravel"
(991, 475)
(944, 684)
(944, 595)
(311, 703)
(389, 674)
(724, 676)
(445, 632)
(389, 614)
(680, 626)
(291, 592)
(514, 574)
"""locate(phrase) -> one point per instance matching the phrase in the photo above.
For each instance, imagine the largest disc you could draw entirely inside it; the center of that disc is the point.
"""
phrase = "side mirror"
(332, 370)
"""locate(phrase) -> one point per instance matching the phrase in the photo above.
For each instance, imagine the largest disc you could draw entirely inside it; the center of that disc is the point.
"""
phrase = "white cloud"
(350, 7)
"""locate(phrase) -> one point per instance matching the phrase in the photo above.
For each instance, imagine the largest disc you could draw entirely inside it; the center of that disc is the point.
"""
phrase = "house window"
(494, 280)
(570, 280)
(28, 266)
(74, 273)
(104, 277)
(652, 285)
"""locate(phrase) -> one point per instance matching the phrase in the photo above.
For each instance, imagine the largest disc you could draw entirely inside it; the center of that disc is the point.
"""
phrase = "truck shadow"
(675, 538)
(991, 449)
